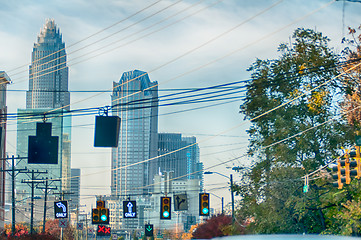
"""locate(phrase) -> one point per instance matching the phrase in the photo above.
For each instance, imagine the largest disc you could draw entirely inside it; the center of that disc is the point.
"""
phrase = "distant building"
(184, 163)
(47, 100)
(135, 101)
(4, 80)
(75, 188)
(194, 165)
(171, 158)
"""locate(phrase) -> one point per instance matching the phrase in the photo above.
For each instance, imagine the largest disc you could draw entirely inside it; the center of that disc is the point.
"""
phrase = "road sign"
(91, 230)
(180, 202)
(79, 226)
(63, 223)
(103, 231)
(129, 209)
(149, 230)
(61, 209)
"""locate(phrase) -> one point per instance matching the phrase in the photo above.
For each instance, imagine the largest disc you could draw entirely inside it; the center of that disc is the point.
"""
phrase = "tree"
(295, 93)
(217, 226)
(352, 80)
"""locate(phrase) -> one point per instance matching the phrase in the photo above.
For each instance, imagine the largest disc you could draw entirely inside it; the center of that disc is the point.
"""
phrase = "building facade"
(135, 101)
(4, 81)
(47, 99)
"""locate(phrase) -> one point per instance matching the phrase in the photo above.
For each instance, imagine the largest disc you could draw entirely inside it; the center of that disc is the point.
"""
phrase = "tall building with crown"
(48, 72)
(135, 101)
(47, 99)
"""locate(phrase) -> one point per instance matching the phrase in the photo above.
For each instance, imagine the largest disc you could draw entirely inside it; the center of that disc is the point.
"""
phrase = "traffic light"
(149, 232)
(103, 231)
(204, 204)
(339, 175)
(104, 216)
(165, 208)
(100, 215)
(95, 215)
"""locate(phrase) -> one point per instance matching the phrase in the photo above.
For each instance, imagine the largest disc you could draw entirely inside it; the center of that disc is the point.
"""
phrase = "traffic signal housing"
(100, 215)
(165, 208)
(149, 230)
(204, 204)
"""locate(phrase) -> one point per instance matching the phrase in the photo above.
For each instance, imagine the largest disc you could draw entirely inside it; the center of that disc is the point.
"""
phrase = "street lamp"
(231, 180)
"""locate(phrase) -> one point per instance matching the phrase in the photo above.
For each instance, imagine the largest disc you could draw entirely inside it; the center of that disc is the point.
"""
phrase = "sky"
(181, 44)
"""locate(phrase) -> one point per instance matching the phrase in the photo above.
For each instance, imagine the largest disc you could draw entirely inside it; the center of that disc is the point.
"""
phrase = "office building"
(135, 101)
(48, 72)
(194, 165)
(47, 100)
(4, 81)
(75, 189)
(179, 155)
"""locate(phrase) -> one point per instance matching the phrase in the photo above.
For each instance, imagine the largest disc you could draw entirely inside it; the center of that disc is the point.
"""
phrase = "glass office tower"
(135, 101)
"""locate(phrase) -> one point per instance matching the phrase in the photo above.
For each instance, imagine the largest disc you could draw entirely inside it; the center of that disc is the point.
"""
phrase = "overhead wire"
(275, 109)
(94, 34)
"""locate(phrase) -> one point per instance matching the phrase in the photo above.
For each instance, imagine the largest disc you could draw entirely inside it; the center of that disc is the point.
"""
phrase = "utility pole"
(31, 183)
(46, 196)
(13, 175)
(232, 195)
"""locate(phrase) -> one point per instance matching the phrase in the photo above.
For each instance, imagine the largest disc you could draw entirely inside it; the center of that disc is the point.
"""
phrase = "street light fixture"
(231, 180)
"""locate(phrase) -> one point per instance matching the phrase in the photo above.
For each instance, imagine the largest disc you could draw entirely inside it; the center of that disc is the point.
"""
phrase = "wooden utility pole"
(13, 175)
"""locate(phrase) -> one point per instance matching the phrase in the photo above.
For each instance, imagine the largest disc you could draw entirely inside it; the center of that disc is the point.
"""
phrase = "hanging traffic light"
(100, 215)
(95, 215)
(204, 204)
(165, 208)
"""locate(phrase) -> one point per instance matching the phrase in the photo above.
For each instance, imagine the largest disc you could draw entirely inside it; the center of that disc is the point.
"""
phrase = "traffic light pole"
(232, 196)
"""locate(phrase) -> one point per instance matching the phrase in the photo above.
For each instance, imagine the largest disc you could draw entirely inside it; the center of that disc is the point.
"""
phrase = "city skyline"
(210, 125)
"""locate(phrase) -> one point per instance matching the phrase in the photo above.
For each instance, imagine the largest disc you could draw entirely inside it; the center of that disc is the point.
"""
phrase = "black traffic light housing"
(165, 208)
(149, 230)
(204, 204)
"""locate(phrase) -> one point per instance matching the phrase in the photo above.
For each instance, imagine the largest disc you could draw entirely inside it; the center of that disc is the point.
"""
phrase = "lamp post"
(231, 180)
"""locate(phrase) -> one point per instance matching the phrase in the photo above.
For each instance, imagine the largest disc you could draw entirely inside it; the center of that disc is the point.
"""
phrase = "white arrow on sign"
(130, 206)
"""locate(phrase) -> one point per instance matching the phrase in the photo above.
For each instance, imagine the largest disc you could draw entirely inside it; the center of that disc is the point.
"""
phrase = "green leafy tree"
(295, 93)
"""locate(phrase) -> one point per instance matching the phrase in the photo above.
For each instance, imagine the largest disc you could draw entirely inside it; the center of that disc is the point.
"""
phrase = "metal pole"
(32, 203)
(222, 205)
(86, 226)
(13, 195)
(231, 177)
(45, 199)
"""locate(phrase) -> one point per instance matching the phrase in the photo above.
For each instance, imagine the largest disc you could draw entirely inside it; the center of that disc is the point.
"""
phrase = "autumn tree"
(217, 226)
(291, 103)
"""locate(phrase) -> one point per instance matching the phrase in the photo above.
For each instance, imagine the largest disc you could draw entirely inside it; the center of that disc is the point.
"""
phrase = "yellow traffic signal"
(204, 204)
(104, 216)
(95, 215)
(165, 208)
(100, 215)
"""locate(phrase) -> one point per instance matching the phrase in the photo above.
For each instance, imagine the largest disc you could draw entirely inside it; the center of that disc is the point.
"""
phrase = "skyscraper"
(47, 100)
(135, 101)
(48, 73)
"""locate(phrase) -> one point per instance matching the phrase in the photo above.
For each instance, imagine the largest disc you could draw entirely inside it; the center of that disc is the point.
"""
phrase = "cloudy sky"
(181, 44)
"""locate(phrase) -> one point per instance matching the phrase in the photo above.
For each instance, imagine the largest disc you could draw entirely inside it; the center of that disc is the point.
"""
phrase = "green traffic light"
(205, 210)
(103, 217)
(165, 214)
